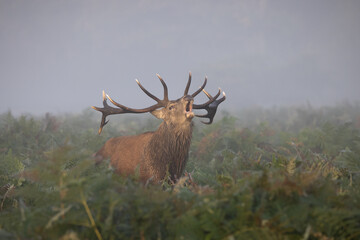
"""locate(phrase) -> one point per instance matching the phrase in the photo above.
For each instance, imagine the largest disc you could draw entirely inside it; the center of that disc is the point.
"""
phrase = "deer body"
(153, 154)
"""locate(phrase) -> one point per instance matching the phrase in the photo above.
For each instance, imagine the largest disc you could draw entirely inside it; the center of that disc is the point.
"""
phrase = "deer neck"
(170, 148)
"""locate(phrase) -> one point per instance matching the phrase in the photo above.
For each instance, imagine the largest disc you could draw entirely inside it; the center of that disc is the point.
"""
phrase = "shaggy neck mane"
(169, 149)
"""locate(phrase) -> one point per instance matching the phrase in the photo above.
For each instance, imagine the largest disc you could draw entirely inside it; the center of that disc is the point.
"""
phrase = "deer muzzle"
(188, 110)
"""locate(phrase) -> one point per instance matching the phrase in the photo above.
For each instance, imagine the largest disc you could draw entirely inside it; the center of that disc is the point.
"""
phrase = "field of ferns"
(279, 173)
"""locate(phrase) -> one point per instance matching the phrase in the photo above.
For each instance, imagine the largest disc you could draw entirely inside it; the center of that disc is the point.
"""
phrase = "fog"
(58, 56)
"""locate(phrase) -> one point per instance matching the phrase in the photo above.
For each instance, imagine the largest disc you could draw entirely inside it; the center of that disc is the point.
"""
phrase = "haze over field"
(57, 56)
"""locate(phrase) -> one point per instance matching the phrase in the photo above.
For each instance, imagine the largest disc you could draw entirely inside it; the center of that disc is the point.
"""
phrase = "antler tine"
(103, 119)
(166, 97)
(211, 100)
(200, 89)
(103, 122)
(106, 110)
(211, 108)
(147, 92)
(187, 85)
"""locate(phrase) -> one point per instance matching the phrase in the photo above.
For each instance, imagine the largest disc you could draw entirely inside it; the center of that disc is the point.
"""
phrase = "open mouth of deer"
(188, 110)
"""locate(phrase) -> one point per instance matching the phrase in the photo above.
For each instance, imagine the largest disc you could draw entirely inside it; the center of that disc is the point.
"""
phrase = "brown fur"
(152, 153)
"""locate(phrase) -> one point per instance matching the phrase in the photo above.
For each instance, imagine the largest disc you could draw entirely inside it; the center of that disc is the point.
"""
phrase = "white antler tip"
(137, 80)
(224, 94)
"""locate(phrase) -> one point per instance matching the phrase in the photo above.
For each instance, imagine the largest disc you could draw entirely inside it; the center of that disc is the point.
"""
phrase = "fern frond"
(291, 166)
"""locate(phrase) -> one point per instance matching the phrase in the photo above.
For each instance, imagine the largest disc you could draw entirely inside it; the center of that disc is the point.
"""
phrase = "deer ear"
(159, 113)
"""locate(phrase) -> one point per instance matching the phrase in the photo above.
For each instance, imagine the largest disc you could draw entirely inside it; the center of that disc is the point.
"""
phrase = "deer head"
(175, 112)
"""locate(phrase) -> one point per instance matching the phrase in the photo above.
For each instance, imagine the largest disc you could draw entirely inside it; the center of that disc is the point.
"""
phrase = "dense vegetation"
(281, 173)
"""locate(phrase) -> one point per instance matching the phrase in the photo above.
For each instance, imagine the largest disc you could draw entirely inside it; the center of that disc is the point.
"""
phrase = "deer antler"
(200, 89)
(197, 91)
(108, 110)
(210, 106)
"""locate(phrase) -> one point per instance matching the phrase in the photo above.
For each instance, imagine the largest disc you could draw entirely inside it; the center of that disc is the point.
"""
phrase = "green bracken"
(282, 173)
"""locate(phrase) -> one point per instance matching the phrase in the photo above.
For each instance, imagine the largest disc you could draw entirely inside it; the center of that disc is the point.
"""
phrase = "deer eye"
(172, 107)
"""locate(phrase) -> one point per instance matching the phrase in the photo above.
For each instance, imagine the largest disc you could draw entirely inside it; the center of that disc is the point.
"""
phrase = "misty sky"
(58, 56)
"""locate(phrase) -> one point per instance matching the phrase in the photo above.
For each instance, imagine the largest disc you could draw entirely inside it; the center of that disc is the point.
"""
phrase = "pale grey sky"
(57, 56)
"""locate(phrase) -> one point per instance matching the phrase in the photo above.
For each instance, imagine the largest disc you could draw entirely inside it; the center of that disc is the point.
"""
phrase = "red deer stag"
(166, 149)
